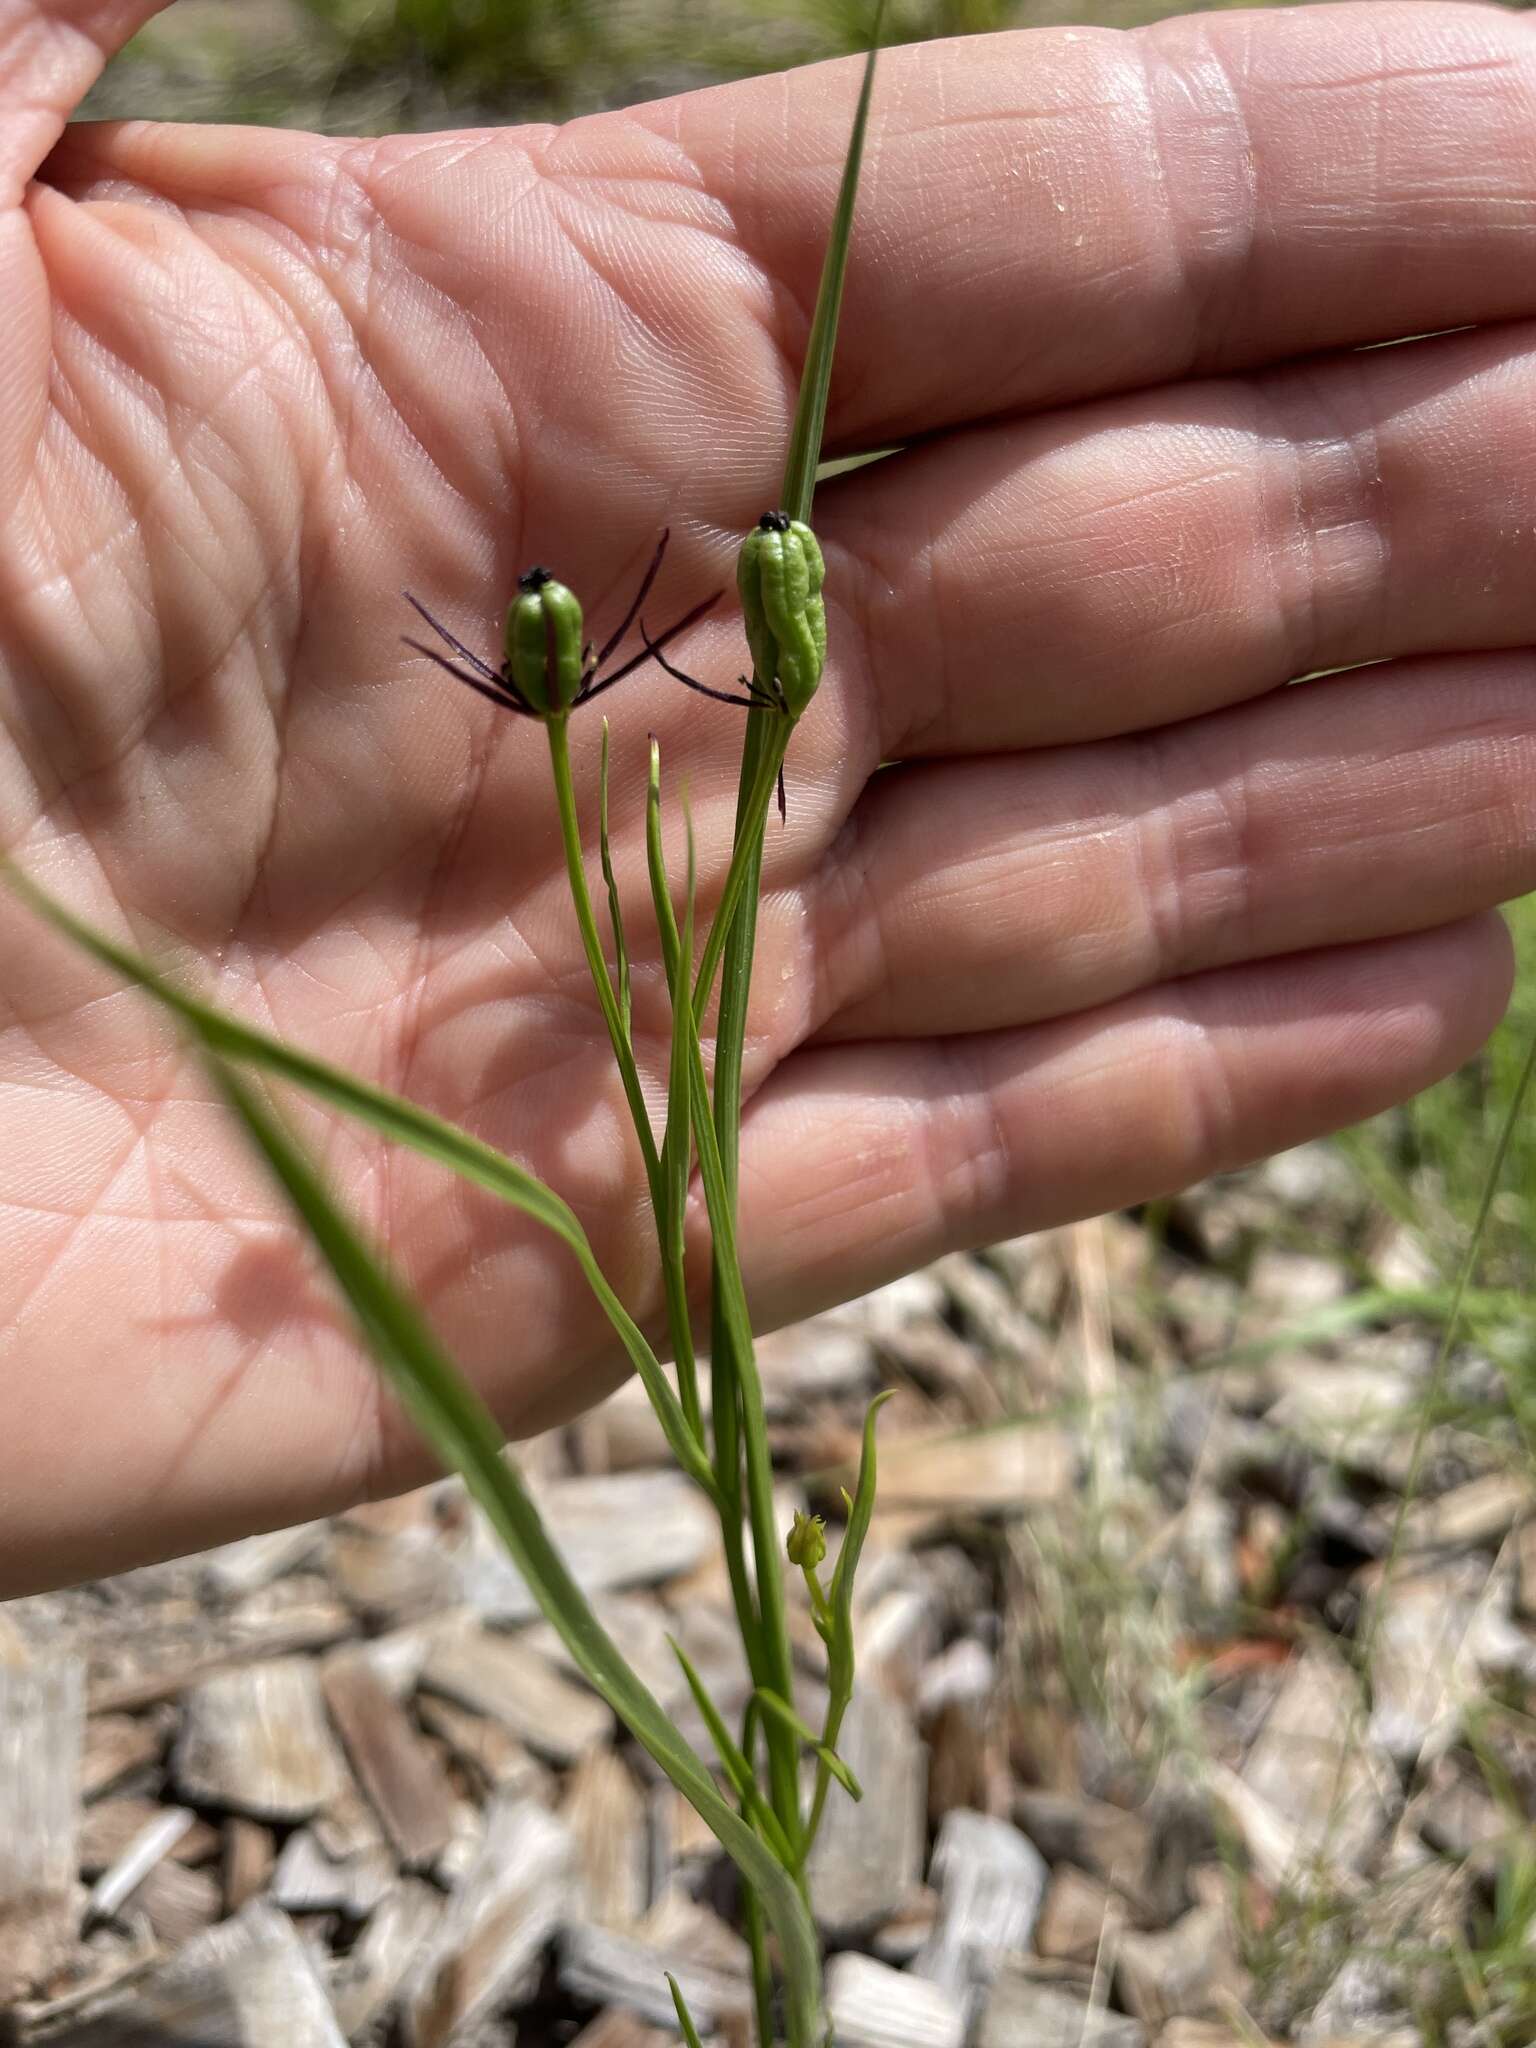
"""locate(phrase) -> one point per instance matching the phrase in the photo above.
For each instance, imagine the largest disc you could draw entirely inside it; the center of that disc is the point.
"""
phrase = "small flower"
(807, 1541)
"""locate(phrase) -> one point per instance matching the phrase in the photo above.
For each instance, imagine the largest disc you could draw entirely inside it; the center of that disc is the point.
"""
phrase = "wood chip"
(990, 1879)
(365, 1981)
(115, 1746)
(631, 1529)
(1078, 1918)
(1312, 1766)
(604, 1968)
(249, 1854)
(246, 1984)
(178, 1903)
(508, 1907)
(111, 1824)
(498, 1760)
(618, 2029)
(874, 2006)
(394, 1767)
(306, 1880)
(868, 1857)
(1190, 1967)
(501, 1677)
(291, 1617)
(153, 1838)
(236, 1569)
(1481, 1512)
(1005, 1471)
(1019, 2010)
(255, 1741)
(605, 1811)
(41, 1734)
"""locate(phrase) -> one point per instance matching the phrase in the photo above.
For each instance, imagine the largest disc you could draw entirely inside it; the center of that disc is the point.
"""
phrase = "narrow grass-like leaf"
(734, 1762)
(677, 1145)
(781, 1711)
(816, 377)
(690, 2031)
(615, 913)
(464, 1434)
(838, 1633)
(405, 1124)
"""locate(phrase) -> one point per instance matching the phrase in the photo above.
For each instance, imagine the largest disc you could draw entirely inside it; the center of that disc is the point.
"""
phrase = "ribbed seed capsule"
(544, 643)
(779, 574)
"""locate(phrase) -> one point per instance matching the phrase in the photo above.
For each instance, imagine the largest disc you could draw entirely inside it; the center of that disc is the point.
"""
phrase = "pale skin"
(1126, 911)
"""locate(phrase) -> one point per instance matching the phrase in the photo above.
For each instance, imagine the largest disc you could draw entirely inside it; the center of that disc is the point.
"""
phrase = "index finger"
(1055, 213)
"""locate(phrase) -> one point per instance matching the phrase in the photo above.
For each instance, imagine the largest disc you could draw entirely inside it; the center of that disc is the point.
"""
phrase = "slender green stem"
(749, 835)
(762, 1971)
(623, 1051)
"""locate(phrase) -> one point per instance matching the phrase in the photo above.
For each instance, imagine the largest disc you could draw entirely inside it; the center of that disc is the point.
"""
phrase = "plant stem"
(623, 1051)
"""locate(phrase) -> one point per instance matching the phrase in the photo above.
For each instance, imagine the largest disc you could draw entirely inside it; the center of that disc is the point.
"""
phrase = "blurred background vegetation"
(368, 66)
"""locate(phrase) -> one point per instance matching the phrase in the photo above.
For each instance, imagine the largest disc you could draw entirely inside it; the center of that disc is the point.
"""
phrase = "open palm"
(1123, 910)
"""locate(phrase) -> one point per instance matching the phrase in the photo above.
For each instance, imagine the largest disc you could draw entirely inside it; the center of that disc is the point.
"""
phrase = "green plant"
(548, 676)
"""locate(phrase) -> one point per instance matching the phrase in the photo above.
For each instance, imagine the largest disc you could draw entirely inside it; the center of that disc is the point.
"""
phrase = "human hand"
(1124, 912)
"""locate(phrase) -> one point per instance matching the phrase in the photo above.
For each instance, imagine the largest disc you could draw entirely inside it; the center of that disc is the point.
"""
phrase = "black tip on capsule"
(774, 522)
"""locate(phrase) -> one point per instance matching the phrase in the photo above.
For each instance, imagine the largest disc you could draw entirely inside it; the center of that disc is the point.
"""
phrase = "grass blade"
(405, 1124)
(734, 1762)
(690, 2031)
(816, 377)
(781, 1711)
(464, 1434)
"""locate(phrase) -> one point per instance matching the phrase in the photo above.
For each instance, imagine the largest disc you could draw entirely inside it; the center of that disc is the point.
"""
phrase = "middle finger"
(1138, 560)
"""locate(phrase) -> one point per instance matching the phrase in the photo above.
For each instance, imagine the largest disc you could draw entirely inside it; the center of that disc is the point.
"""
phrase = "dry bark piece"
(255, 1740)
(1005, 1471)
(619, 2029)
(605, 1811)
(1481, 1512)
(284, 1620)
(236, 1569)
(498, 1759)
(874, 2006)
(153, 1837)
(990, 1879)
(249, 1853)
(630, 1529)
(1314, 1770)
(394, 1767)
(115, 1745)
(177, 1902)
(501, 1677)
(868, 1857)
(1020, 2010)
(41, 1734)
(364, 1983)
(306, 1880)
(508, 1907)
(605, 1968)
(1111, 1842)
(1188, 1968)
(111, 1825)
(246, 1984)
(1078, 1917)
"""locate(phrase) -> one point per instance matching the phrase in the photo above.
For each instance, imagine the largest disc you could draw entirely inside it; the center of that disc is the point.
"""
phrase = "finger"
(970, 896)
(1062, 212)
(1144, 558)
(861, 1162)
(51, 54)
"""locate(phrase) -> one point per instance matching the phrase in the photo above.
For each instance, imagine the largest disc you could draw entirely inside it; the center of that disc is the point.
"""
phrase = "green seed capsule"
(779, 574)
(544, 643)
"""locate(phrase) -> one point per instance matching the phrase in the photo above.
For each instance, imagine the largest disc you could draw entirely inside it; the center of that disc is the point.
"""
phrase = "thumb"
(51, 54)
